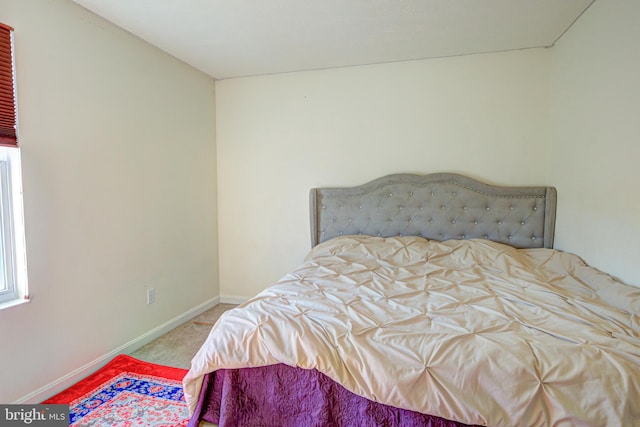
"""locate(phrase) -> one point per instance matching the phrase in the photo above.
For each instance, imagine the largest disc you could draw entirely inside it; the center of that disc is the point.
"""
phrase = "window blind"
(7, 89)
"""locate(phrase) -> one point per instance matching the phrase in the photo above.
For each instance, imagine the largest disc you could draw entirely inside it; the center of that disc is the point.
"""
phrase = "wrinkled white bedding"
(469, 330)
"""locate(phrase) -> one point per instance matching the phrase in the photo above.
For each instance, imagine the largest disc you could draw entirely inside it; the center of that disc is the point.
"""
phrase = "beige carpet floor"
(178, 346)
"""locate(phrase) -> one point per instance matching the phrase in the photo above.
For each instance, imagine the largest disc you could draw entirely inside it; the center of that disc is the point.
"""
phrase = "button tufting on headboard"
(437, 206)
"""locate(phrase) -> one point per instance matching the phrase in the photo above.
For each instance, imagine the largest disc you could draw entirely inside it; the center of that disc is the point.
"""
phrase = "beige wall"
(595, 138)
(118, 148)
(278, 136)
(565, 116)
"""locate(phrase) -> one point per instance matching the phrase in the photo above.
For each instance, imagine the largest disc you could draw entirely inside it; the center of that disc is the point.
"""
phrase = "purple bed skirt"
(281, 395)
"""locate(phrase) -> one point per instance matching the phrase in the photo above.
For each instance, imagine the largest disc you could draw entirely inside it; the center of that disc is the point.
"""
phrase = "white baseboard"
(73, 377)
(232, 299)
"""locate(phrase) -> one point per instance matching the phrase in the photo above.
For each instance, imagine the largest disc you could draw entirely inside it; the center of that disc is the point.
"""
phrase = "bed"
(431, 300)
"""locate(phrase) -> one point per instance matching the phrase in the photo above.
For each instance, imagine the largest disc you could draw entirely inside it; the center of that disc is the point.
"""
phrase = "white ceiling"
(233, 38)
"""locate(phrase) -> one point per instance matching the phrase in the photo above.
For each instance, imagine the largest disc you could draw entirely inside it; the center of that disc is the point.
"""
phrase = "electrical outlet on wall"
(151, 296)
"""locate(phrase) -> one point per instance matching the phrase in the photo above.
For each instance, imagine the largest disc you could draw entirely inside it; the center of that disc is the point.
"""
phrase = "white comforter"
(472, 331)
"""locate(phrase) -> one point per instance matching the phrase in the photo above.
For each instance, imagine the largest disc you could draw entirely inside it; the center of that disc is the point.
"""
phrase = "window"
(13, 278)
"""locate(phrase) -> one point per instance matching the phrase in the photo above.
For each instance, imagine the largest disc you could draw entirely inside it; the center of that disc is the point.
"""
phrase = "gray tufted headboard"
(439, 206)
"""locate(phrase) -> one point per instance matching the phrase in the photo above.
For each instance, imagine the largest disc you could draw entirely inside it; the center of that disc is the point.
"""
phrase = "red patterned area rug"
(127, 392)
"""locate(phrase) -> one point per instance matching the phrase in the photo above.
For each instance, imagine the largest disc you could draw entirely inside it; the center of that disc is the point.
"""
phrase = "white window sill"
(14, 302)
